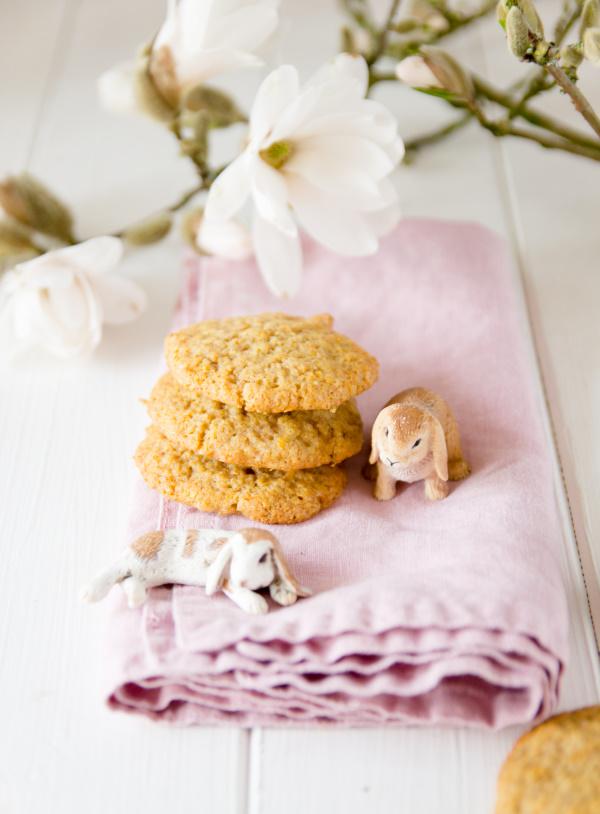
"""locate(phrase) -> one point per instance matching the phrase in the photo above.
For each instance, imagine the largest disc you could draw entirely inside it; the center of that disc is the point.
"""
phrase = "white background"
(69, 429)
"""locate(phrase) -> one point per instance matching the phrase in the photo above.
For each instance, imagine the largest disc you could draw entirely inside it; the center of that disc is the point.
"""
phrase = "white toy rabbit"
(237, 562)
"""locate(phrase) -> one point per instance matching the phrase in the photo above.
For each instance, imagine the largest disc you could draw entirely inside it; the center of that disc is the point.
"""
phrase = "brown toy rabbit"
(415, 437)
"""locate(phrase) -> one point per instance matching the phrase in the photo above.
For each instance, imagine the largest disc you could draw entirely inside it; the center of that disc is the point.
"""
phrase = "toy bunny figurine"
(237, 562)
(415, 437)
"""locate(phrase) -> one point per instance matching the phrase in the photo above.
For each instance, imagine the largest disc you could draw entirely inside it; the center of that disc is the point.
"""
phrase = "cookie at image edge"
(554, 768)
(263, 495)
(271, 363)
(301, 439)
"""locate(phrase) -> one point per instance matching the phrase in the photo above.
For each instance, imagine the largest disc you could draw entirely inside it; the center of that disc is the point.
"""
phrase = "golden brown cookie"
(555, 768)
(264, 495)
(271, 363)
(301, 439)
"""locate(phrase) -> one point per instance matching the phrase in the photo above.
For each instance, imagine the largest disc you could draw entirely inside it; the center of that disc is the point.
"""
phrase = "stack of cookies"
(255, 415)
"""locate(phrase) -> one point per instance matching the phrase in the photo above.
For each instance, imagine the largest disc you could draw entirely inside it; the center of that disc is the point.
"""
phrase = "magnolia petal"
(363, 118)
(347, 67)
(317, 154)
(193, 24)
(339, 228)
(69, 306)
(204, 65)
(44, 272)
(116, 90)
(122, 300)
(279, 258)
(383, 221)
(230, 239)
(313, 103)
(68, 339)
(270, 194)
(25, 311)
(96, 257)
(274, 95)
(244, 29)
(230, 190)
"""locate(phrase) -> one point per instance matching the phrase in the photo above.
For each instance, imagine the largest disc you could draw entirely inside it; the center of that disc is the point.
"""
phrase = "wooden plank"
(430, 771)
(554, 211)
(67, 458)
(28, 54)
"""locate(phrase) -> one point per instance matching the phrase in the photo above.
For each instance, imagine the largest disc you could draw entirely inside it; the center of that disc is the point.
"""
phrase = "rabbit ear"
(285, 572)
(374, 456)
(438, 447)
(217, 569)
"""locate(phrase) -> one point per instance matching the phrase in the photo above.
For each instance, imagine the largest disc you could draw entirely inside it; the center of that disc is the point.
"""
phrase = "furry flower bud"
(14, 240)
(147, 94)
(27, 200)
(590, 16)
(149, 231)
(517, 32)
(571, 56)
(531, 15)
(220, 107)
(433, 68)
(591, 45)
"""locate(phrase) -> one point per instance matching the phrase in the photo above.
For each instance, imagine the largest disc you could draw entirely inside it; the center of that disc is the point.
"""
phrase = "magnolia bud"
(501, 12)
(531, 15)
(194, 144)
(230, 239)
(590, 16)
(221, 107)
(422, 13)
(517, 32)
(591, 45)
(27, 200)
(14, 239)
(149, 231)
(115, 89)
(571, 56)
(434, 68)
(147, 96)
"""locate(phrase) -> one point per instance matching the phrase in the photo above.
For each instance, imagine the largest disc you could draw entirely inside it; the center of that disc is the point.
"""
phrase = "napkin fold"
(447, 612)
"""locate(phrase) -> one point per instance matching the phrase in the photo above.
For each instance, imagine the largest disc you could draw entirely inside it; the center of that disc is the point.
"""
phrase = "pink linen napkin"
(448, 612)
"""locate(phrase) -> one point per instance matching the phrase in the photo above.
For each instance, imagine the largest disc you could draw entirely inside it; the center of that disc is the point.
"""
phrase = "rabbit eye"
(263, 558)
(387, 431)
(417, 442)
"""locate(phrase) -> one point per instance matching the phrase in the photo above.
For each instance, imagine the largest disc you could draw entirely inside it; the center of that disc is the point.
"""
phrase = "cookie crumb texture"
(555, 768)
(263, 495)
(271, 363)
(301, 439)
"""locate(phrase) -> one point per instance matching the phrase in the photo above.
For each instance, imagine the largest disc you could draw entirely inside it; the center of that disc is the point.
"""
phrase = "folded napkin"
(447, 612)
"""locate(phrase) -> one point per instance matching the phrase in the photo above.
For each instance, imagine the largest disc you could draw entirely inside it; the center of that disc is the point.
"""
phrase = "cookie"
(555, 768)
(271, 363)
(301, 439)
(264, 495)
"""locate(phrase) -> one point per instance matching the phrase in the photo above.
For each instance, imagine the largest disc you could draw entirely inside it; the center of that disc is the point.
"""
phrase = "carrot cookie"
(263, 495)
(301, 439)
(555, 768)
(271, 363)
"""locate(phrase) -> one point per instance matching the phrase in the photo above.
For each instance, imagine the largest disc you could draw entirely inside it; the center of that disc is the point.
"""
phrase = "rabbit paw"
(281, 594)
(457, 470)
(436, 489)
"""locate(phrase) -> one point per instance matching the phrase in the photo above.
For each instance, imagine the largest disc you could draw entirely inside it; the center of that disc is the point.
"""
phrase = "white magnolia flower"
(231, 239)
(200, 39)
(61, 299)
(322, 150)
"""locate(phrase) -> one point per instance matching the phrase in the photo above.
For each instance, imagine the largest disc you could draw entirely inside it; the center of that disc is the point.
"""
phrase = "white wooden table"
(68, 431)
